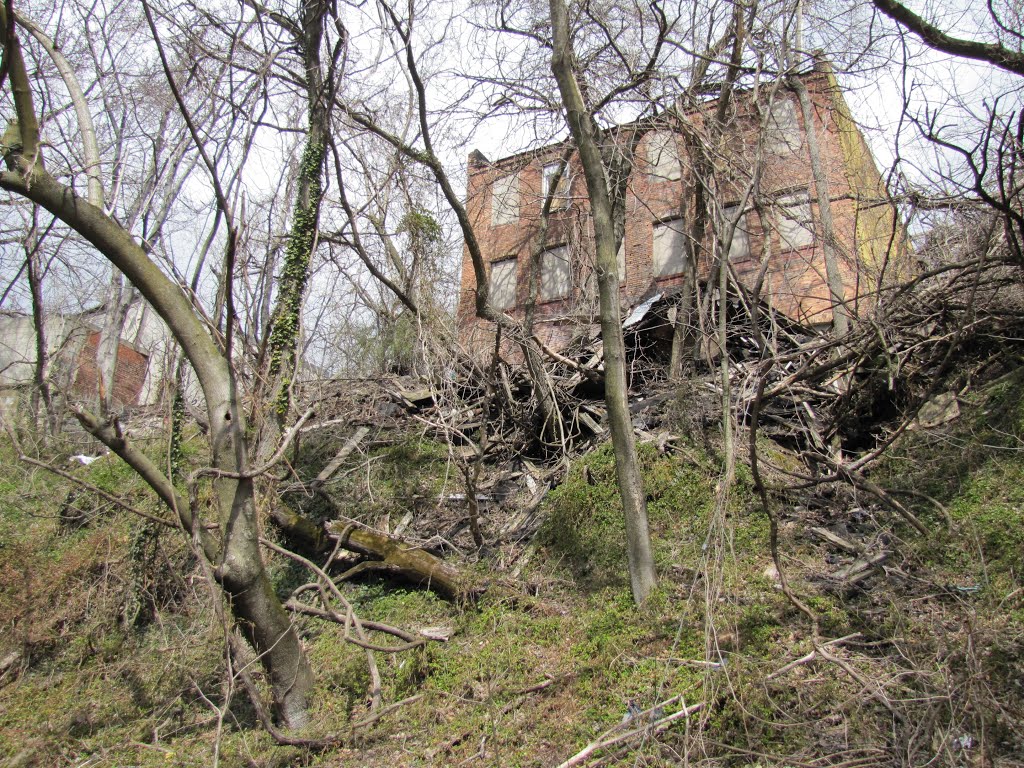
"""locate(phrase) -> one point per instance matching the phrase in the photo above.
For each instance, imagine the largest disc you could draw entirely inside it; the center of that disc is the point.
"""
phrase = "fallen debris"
(860, 568)
(389, 554)
(837, 541)
(335, 463)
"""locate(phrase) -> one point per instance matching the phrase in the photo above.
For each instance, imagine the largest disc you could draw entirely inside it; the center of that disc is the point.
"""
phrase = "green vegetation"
(123, 656)
(584, 524)
(410, 474)
(973, 468)
(292, 285)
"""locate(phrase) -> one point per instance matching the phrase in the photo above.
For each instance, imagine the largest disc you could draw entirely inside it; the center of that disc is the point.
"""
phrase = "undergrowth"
(928, 670)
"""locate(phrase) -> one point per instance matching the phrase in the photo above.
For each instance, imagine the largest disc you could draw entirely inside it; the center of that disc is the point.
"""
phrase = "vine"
(422, 228)
(174, 453)
(295, 274)
(148, 586)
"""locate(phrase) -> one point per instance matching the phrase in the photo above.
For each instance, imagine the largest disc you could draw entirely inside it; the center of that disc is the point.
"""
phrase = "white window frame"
(665, 267)
(794, 221)
(560, 199)
(503, 283)
(505, 200)
(739, 246)
(783, 128)
(555, 274)
(663, 156)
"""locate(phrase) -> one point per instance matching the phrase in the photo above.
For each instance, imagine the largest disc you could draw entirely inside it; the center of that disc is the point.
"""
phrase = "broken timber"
(387, 554)
(392, 555)
(335, 464)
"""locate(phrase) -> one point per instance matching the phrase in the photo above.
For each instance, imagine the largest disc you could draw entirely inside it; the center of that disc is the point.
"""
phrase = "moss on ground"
(409, 474)
(528, 680)
(974, 468)
(584, 525)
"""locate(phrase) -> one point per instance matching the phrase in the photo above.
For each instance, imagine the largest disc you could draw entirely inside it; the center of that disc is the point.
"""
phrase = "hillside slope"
(917, 657)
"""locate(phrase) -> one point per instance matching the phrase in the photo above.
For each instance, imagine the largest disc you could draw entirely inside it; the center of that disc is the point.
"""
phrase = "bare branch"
(990, 53)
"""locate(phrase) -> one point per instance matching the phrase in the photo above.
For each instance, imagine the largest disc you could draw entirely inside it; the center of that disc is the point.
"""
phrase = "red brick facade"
(794, 285)
(129, 375)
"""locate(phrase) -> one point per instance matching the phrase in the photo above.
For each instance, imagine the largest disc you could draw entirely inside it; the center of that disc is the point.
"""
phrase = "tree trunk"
(285, 326)
(116, 310)
(683, 324)
(118, 299)
(642, 575)
(552, 428)
(239, 567)
(41, 388)
(833, 275)
(260, 615)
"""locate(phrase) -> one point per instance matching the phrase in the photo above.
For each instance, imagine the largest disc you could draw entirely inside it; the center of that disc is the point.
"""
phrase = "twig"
(809, 656)
(935, 502)
(864, 484)
(98, 491)
(653, 727)
(762, 493)
(867, 684)
(349, 618)
(516, 700)
(332, 615)
(264, 716)
(590, 373)
(367, 722)
(263, 468)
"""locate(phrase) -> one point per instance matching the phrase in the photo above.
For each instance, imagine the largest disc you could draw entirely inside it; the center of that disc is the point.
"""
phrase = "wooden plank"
(836, 541)
(860, 569)
(335, 463)
(587, 421)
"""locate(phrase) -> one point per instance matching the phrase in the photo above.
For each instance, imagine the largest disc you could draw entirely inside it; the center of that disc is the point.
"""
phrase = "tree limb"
(933, 37)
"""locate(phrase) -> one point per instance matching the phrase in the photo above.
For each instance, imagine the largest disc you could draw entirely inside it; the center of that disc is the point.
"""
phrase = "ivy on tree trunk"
(285, 331)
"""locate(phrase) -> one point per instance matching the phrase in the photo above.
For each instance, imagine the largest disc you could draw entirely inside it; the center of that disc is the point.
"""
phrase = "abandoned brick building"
(143, 356)
(778, 227)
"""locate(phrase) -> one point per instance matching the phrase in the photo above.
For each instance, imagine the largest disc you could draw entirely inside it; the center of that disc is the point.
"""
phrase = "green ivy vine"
(285, 328)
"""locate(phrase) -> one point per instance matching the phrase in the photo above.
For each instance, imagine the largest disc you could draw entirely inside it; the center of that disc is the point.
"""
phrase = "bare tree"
(233, 550)
(585, 132)
(1005, 52)
(35, 270)
(980, 141)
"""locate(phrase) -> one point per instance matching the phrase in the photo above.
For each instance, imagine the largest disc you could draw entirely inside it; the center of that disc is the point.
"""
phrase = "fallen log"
(386, 554)
(390, 554)
(299, 529)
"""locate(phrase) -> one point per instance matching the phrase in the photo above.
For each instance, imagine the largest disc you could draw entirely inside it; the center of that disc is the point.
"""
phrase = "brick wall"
(128, 376)
(795, 282)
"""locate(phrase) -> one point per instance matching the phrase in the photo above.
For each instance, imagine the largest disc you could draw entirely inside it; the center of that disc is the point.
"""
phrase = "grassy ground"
(122, 658)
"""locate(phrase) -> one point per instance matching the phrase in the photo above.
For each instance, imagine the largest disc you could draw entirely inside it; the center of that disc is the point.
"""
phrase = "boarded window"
(129, 376)
(669, 251)
(559, 192)
(783, 128)
(663, 156)
(793, 221)
(554, 274)
(503, 284)
(505, 200)
(739, 248)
